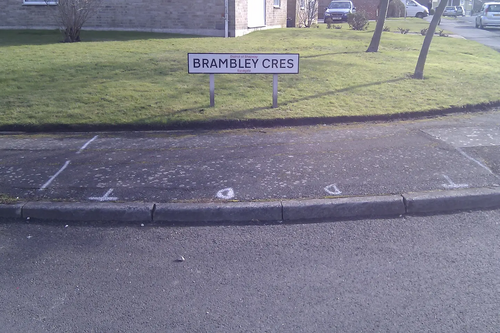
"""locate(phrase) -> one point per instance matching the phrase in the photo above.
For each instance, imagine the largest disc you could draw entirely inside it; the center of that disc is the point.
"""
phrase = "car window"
(494, 8)
(411, 3)
(339, 5)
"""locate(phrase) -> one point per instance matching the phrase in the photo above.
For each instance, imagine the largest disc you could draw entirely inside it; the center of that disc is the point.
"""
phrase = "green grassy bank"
(126, 78)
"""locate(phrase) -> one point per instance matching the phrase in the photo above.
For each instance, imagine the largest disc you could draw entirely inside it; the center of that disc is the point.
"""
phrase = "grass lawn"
(140, 79)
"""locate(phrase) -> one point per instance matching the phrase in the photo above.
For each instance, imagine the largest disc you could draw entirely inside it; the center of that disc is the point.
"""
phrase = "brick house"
(199, 17)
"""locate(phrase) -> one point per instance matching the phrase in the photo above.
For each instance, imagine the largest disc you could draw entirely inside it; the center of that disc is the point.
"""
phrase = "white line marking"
(335, 189)
(105, 197)
(54, 176)
(477, 162)
(452, 184)
(85, 145)
(227, 193)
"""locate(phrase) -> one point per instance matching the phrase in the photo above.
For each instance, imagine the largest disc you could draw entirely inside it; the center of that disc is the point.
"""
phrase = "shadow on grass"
(146, 124)
(329, 54)
(46, 37)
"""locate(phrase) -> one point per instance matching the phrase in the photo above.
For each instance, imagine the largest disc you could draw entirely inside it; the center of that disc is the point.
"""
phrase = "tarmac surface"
(256, 175)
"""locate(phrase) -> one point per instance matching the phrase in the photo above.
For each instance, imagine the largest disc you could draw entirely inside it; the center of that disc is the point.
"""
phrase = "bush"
(432, 11)
(403, 31)
(387, 28)
(358, 20)
(396, 9)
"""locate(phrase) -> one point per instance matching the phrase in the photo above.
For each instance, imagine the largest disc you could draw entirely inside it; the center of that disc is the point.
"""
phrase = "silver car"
(489, 15)
(450, 11)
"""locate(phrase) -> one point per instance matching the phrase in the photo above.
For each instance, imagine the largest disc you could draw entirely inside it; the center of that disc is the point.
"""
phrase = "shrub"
(337, 26)
(432, 11)
(358, 20)
(423, 32)
(442, 34)
(403, 30)
(387, 28)
(396, 8)
(328, 25)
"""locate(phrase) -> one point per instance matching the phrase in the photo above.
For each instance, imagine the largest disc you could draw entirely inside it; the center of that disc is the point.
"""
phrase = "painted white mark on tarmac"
(451, 184)
(477, 162)
(227, 193)
(105, 197)
(44, 186)
(332, 189)
(85, 145)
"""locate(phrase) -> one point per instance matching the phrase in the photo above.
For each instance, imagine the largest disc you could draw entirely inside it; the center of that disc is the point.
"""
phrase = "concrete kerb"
(11, 211)
(292, 211)
(219, 212)
(125, 212)
(342, 208)
(452, 200)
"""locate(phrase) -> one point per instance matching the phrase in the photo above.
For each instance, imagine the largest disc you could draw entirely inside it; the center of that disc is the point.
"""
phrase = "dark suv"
(338, 10)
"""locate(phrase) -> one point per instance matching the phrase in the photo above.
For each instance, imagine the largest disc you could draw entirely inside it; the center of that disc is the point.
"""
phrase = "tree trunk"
(419, 69)
(377, 34)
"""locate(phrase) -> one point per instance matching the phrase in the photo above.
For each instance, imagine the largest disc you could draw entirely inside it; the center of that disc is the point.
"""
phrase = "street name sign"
(243, 63)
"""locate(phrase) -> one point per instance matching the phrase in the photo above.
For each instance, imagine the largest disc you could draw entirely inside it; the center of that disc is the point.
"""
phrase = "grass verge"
(140, 80)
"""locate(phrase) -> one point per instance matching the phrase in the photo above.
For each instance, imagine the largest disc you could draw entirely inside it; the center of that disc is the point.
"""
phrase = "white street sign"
(243, 63)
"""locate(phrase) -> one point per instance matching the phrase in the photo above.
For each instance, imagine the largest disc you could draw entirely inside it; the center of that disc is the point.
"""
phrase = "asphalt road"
(412, 274)
(465, 27)
(461, 151)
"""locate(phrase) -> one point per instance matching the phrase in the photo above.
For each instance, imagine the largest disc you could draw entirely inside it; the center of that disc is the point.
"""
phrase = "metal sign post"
(243, 63)
(212, 90)
(275, 90)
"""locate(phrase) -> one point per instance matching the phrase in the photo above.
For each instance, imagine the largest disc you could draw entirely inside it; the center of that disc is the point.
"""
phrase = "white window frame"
(277, 3)
(39, 2)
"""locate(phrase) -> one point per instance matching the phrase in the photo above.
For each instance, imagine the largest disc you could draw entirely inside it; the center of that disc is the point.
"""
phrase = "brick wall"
(203, 17)
(14, 14)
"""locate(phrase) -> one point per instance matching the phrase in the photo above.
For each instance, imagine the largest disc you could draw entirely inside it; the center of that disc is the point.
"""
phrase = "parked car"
(450, 11)
(337, 11)
(414, 9)
(460, 11)
(489, 15)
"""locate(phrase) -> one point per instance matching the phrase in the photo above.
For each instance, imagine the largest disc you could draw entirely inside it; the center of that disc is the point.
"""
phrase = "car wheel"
(419, 15)
(481, 26)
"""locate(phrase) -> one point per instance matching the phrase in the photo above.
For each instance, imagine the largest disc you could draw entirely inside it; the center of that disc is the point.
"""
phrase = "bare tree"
(71, 15)
(419, 69)
(377, 34)
(307, 13)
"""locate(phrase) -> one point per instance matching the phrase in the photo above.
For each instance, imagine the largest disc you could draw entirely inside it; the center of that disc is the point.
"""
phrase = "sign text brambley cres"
(243, 63)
